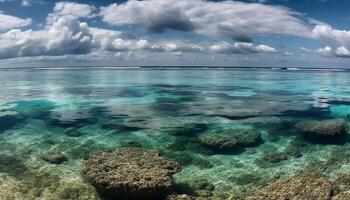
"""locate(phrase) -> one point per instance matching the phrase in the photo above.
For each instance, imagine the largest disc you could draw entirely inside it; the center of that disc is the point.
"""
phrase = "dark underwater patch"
(339, 102)
(98, 111)
(234, 117)
(120, 127)
(8, 122)
(178, 92)
(217, 88)
(326, 140)
(188, 129)
(36, 109)
(12, 165)
(284, 93)
(76, 123)
(312, 112)
(162, 85)
(221, 95)
(168, 108)
(131, 92)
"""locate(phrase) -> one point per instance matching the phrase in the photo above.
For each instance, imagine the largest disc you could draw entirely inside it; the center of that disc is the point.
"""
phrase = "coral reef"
(131, 173)
(54, 158)
(270, 159)
(231, 138)
(306, 187)
(325, 131)
(342, 195)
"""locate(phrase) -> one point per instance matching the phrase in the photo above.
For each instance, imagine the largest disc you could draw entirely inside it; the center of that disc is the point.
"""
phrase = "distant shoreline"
(174, 68)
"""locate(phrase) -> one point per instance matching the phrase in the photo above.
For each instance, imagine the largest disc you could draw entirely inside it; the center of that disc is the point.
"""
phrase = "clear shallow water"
(76, 112)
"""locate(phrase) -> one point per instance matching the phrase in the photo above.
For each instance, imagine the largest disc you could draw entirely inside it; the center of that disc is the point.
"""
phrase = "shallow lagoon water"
(76, 112)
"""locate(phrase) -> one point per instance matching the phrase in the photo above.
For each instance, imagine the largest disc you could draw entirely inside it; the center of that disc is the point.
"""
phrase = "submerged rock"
(327, 129)
(306, 187)
(131, 173)
(72, 132)
(54, 158)
(270, 159)
(244, 178)
(231, 138)
(202, 188)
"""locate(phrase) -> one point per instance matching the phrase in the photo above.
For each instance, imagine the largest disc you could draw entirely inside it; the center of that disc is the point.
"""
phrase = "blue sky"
(275, 33)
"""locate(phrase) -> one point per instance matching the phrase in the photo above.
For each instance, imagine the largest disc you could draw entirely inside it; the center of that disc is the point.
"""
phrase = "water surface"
(76, 112)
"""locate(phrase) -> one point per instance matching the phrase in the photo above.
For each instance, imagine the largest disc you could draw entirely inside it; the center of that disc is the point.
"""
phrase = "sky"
(255, 33)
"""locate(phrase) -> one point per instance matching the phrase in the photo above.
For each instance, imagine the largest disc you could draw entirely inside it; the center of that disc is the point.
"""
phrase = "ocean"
(234, 130)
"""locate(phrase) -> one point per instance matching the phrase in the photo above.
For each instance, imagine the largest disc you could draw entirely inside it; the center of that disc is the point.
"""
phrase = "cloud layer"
(9, 22)
(225, 27)
(337, 41)
(235, 19)
(65, 34)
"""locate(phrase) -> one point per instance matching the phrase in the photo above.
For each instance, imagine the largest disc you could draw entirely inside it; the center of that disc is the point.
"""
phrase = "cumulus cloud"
(64, 35)
(332, 36)
(325, 51)
(337, 41)
(235, 19)
(153, 16)
(240, 48)
(78, 10)
(9, 22)
(342, 52)
(181, 47)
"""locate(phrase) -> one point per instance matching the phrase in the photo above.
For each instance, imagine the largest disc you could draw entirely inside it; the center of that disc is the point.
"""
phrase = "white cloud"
(325, 51)
(305, 49)
(9, 22)
(240, 48)
(342, 52)
(229, 18)
(25, 3)
(78, 10)
(64, 35)
(337, 41)
(331, 36)
(182, 47)
(266, 49)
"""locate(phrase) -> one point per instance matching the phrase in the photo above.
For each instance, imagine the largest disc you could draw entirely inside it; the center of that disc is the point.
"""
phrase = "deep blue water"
(76, 112)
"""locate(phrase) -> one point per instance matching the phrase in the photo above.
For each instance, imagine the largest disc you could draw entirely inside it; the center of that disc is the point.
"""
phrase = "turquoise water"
(76, 112)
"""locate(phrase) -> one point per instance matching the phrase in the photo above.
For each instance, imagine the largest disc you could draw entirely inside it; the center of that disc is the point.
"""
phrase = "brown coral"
(326, 129)
(131, 173)
(231, 138)
(306, 187)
